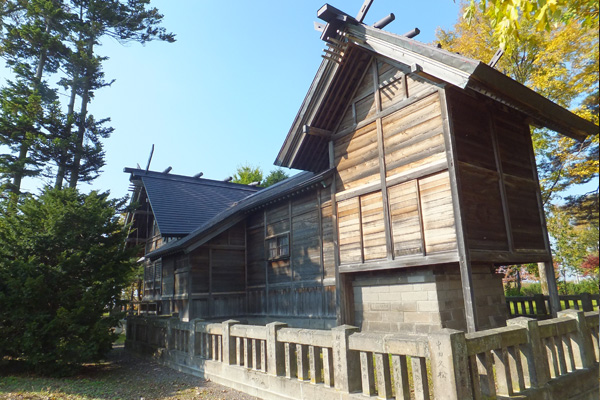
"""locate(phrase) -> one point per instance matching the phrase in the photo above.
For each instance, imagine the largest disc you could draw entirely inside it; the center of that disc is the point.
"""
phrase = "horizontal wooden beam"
(311, 130)
(402, 262)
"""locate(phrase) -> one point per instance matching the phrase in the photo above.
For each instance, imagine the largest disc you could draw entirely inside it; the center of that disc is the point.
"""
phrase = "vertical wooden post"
(586, 302)
(275, 350)
(382, 169)
(548, 267)
(463, 250)
(340, 295)
(346, 363)
(266, 256)
(540, 304)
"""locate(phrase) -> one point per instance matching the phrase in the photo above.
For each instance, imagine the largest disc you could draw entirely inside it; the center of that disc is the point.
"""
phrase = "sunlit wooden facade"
(420, 178)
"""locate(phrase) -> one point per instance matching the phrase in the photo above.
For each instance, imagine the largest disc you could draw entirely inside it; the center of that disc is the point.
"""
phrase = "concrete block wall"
(424, 299)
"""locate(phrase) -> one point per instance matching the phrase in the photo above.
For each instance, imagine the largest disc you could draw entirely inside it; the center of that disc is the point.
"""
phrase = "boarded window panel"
(416, 85)
(349, 231)
(373, 227)
(438, 213)
(357, 158)
(406, 223)
(365, 108)
(524, 213)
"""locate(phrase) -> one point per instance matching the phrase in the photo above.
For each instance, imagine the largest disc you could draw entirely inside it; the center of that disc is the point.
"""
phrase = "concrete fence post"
(192, 338)
(228, 342)
(537, 358)
(275, 350)
(346, 362)
(450, 364)
(583, 353)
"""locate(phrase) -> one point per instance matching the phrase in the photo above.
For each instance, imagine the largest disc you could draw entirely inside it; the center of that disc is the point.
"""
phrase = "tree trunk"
(64, 152)
(543, 278)
(21, 161)
(81, 126)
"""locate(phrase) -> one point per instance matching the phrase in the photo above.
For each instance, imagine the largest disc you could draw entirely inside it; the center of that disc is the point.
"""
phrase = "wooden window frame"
(281, 248)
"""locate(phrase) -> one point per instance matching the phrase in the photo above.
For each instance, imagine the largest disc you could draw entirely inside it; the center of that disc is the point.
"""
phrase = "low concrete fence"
(552, 359)
(538, 305)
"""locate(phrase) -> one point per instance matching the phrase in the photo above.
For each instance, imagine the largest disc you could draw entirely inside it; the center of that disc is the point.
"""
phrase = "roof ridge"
(190, 179)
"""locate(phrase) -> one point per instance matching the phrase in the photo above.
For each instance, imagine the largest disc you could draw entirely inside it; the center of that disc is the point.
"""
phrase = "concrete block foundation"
(425, 299)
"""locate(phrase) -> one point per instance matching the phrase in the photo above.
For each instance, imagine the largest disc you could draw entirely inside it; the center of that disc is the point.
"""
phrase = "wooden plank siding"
(238, 279)
(498, 184)
(392, 167)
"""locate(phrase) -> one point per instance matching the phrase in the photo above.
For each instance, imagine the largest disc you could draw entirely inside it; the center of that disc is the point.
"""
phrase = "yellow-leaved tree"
(559, 61)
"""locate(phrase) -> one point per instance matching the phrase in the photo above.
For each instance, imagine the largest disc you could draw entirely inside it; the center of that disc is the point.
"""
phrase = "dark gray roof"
(237, 211)
(181, 204)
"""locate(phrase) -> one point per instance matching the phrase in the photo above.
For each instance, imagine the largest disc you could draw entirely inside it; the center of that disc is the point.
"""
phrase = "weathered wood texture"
(409, 155)
(213, 276)
(300, 284)
(498, 184)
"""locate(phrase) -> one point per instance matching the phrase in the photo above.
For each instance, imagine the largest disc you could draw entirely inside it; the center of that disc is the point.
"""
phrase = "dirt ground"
(123, 376)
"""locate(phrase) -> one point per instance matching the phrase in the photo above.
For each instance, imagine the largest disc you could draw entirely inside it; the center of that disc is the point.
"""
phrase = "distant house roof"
(181, 204)
(237, 211)
(322, 106)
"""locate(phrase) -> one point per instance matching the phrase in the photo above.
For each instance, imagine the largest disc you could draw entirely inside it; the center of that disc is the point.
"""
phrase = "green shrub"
(62, 270)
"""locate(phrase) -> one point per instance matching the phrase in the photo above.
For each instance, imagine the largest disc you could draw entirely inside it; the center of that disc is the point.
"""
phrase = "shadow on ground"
(121, 376)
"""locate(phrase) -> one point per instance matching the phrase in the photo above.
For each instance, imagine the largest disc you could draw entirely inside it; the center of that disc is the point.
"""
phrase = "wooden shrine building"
(419, 180)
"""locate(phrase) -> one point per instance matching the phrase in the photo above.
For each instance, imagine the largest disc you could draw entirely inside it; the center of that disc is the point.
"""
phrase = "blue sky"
(226, 92)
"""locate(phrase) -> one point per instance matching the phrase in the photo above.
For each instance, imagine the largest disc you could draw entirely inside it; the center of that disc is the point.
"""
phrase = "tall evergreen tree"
(31, 42)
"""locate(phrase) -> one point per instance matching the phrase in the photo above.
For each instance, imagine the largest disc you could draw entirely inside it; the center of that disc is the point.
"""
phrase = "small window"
(279, 247)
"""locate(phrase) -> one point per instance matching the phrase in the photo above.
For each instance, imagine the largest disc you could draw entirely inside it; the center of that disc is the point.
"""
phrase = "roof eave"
(543, 111)
(312, 102)
(213, 228)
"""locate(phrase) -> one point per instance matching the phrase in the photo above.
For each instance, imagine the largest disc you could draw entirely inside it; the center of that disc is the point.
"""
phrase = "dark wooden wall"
(301, 285)
(499, 192)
